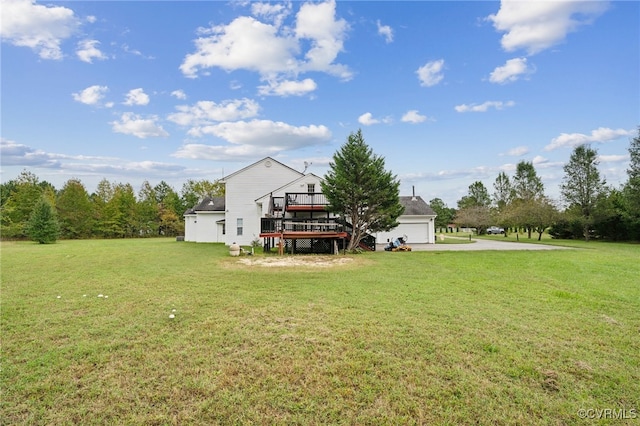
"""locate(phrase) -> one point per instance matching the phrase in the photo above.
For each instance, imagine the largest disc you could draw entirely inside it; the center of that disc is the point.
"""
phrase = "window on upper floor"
(311, 187)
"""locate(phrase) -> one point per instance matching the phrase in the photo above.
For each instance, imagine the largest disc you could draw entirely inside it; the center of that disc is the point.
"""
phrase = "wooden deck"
(292, 235)
(306, 208)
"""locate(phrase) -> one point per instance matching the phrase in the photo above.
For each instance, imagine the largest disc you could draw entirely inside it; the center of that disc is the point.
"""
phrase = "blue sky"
(447, 92)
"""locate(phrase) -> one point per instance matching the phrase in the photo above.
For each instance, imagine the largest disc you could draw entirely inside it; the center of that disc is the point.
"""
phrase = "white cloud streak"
(136, 125)
(484, 107)
(288, 88)
(599, 135)
(208, 112)
(248, 139)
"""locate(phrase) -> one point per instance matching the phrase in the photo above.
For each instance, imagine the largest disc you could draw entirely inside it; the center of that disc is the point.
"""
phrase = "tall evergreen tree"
(43, 226)
(358, 187)
(17, 209)
(502, 191)
(473, 208)
(75, 210)
(632, 187)
(527, 185)
(582, 185)
(148, 210)
(478, 196)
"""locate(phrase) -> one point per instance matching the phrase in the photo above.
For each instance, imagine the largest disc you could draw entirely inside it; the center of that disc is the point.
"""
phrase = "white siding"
(418, 229)
(208, 229)
(190, 228)
(242, 190)
(202, 227)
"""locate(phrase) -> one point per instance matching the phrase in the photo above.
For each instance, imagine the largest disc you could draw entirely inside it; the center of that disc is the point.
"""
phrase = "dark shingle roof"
(209, 204)
(416, 206)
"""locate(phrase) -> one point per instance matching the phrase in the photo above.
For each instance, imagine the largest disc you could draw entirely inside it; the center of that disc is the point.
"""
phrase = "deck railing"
(306, 199)
(274, 225)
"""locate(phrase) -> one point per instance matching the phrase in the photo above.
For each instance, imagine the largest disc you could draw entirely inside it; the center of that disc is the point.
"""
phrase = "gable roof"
(293, 182)
(224, 179)
(208, 204)
(416, 206)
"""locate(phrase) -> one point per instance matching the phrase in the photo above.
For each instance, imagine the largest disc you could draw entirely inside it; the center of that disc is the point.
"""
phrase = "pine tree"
(632, 188)
(582, 185)
(358, 187)
(43, 226)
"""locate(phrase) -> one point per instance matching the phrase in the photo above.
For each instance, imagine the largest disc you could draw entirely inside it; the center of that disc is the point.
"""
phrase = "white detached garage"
(417, 223)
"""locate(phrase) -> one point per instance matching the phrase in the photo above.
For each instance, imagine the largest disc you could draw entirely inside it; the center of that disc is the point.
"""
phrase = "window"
(239, 226)
(311, 187)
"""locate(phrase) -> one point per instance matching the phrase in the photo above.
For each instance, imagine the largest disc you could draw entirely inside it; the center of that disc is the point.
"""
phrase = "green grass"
(486, 338)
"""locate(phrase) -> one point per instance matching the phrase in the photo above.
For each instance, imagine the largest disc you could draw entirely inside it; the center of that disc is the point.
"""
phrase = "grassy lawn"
(484, 338)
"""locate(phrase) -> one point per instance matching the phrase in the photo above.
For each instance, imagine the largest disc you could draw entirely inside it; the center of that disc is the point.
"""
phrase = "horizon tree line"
(591, 208)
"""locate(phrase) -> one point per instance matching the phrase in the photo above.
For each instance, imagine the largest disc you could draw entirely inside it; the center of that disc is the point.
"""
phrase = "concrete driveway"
(479, 244)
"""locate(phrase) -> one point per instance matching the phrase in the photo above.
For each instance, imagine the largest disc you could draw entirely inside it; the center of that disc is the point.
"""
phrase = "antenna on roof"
(306, 166)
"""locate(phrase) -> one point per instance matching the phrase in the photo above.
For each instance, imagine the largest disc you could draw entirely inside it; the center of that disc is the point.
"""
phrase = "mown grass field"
(385, 338)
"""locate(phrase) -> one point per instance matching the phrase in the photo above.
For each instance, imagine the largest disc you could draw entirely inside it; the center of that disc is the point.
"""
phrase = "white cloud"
(386, 31)
(87, 51)
(317, 22)
(253, 138)
(133, 124)
(511, 71)
(91, 95)
(613, 158)
(518, 151)
(15, 154)
(136, 97)
(484, 106)
(367, 119)
(179, 94)
(430, 73)
(288, 87)
(41, 28)
(275, 13)
(272, 50)
(245, 43)
(208, 112)
(268, 133)
(539, 25)
(599, 135)
(413, 116)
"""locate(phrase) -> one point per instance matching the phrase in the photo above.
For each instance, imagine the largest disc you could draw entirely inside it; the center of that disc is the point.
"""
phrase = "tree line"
(34, 209)
(31, 208)
(588, 208)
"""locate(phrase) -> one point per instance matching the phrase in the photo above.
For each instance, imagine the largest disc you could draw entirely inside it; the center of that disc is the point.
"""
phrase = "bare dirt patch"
(296, 261)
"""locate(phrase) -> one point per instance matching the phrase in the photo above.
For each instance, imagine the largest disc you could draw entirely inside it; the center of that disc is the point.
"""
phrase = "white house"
(271, 201)
(417, 223)
(205, 223)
